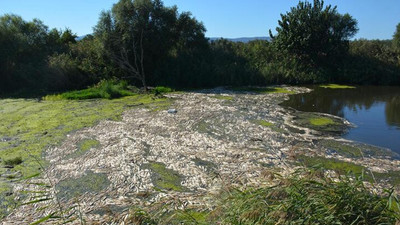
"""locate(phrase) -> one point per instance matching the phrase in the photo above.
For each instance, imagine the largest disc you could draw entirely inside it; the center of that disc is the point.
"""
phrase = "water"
(374, 110)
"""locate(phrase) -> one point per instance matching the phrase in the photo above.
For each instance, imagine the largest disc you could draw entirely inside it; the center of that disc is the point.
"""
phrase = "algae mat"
(28, 127)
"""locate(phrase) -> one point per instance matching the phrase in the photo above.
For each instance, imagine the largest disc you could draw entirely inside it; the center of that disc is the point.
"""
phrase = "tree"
(396, 37)
(140, 34)
(22, 52)
(314, 34)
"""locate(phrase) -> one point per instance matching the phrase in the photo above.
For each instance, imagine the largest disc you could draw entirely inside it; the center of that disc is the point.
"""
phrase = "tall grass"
(305, 197)
(107, 89)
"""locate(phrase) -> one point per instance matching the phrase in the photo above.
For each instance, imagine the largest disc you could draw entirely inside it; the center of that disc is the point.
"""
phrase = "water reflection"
(375, 110)
(392, 112)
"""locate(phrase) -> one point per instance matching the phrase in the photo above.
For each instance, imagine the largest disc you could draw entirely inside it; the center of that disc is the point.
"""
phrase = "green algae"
(210, 167)
(322, 121)
(336, 86)
(339, 166)
(13, 161)
(164, 178)
(33, 126)
(7, 199)
(204, 127)
(263, 123)
(343, 168)
(86, 145)
(38, 125)
(270, 125)
(356, 150)
(318, 122)
(342, 149)
(74, 187)
(83, 147)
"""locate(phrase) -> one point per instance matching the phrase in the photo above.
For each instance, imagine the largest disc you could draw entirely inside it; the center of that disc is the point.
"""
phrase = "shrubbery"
(108, 89)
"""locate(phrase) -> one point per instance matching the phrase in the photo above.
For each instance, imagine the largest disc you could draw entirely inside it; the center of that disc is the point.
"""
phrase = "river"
(374, 110)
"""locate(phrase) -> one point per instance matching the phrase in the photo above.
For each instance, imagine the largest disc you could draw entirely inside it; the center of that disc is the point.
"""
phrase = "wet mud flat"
(216, 138)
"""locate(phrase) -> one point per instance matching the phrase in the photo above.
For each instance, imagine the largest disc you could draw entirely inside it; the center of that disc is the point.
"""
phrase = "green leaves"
(314, 33)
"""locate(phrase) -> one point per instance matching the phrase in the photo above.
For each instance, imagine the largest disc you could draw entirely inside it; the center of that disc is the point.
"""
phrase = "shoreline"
(218, 137)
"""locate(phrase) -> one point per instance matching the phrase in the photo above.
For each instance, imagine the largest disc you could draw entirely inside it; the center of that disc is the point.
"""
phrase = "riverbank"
(216, 138)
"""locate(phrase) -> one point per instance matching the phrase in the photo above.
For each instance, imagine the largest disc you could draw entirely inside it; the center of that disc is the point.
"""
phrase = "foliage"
(64, 73)
(139, 35)
(25, 47)
(396, 38)
(168, 48)
(371, 62)
(314, 33)
(161, 90)
(107, 89)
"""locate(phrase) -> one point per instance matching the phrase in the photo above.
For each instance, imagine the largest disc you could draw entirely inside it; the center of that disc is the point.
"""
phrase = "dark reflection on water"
(375, 111)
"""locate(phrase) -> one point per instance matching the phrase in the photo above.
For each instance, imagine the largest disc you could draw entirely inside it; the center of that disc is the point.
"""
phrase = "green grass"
(303, 197)
(165, 179)
(107, 89)
(263, 90)
(336, 86)
(161, 90)
(306, 198)
(322, 121)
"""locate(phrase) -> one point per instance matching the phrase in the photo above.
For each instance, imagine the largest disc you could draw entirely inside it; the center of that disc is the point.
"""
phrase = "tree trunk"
(144, 84)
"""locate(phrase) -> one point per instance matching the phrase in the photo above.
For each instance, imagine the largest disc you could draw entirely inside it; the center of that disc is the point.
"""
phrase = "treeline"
(149, 44)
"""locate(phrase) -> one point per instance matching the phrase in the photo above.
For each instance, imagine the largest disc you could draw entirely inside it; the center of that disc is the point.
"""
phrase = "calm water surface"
(374, 110)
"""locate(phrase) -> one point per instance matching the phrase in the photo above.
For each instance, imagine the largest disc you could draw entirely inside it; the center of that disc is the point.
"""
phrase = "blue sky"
(222, 18)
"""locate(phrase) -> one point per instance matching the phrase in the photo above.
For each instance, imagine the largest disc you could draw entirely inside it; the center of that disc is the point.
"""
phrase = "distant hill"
(81, 37)
(242, 39)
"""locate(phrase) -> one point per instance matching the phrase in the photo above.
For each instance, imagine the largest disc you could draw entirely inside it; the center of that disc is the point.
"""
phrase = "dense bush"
(108, 89)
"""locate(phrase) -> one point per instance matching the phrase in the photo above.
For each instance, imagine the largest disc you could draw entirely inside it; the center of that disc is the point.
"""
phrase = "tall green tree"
(314, 34)
(140, 35)
(396, 37)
